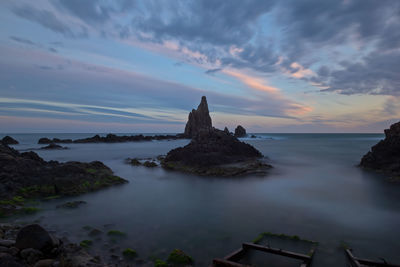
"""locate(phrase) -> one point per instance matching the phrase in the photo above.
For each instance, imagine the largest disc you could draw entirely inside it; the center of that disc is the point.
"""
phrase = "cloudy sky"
(141, 66)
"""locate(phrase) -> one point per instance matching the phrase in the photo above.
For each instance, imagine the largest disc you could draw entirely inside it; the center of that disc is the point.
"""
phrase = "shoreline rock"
(53, 146)
(8, 140)
(27, 176)
(385, 155)
(111, 138)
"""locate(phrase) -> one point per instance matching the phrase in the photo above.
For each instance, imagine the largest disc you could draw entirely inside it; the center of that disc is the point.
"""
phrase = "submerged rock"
(71, 204)
(26, 175)
(199, 120)
(385, 156)
(240, 131)
(8, 140)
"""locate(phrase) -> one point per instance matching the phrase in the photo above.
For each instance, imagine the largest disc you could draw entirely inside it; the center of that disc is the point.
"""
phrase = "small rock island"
(213, 152)
(385, 156)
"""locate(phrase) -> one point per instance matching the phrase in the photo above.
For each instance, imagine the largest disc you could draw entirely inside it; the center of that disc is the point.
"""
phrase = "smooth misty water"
(315, 191)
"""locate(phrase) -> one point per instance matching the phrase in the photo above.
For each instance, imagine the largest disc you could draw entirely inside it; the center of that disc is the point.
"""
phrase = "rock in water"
(199, 120)
(240, 131)
(385, 156)
(8, 140)
(34, 236)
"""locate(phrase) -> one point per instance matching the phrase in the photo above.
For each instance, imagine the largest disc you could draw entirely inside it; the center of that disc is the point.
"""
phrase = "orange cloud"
(252, 82)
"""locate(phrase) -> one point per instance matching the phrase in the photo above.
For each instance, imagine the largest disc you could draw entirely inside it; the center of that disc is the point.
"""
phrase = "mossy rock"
(116, 233)
(86, 243)
(129, 253)
(135, 162)
(150, 164)
(160, 263)
(178, 257)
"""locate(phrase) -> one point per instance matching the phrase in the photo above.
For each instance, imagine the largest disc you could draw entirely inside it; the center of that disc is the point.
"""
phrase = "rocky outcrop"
(212, 151)
(240, 131)
(32, 245)
(8, 140)
(385, 156)
(111, 138)
(53, 146)
(26, 175)
(199, 120)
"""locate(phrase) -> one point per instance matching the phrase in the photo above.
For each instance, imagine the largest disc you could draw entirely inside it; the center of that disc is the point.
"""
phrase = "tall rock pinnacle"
(199, 119)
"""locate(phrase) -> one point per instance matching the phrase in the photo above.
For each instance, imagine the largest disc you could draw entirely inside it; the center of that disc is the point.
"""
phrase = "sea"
(315, 191)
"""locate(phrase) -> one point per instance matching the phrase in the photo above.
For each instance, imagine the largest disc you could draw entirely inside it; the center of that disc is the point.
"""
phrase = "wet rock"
(95, 232)
(3, 249)
(8, 260)
(199, 120)
(34, 236)
(44, 263)
(226, 130)
(7, 243)
(13, 251)
(135, 162)
(8, 140)
(26, 175)
(150, 164)
(385, 156)
(31, 255)
(71, 204)
(53, 146)
(240, 131)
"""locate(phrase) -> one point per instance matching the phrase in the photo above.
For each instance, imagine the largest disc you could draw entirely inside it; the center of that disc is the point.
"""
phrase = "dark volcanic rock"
(53, 146)
(240, 131)
(34, 236)
(8, 140)
(385, 156)
(26, 175)
(215, 153)
(111, 138)
(199, 120)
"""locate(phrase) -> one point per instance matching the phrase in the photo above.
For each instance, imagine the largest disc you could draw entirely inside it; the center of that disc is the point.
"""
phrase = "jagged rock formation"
(385, 156)
(26, 175)
(240, 131)
(212, 151)
(199, 120)
(8, 140)
(226, 130)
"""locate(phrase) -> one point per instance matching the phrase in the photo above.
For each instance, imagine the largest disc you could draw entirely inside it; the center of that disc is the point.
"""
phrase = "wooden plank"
(285, 253)
(236, 255)
(227, 263)
(360, 262)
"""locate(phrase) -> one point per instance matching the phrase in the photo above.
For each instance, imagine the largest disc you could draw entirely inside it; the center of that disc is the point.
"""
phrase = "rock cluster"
(240, 131)
(26, 175)
(212, 151)
(385, 156)
(8, 140)
(32, 245)
(111, 138)
(199, 120)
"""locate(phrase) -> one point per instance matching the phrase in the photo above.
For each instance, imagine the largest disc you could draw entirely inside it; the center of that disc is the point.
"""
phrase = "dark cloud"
(22, 40)
(212, 71)
(44, 18)
(51, 49)
(88, 10)
(378, 73)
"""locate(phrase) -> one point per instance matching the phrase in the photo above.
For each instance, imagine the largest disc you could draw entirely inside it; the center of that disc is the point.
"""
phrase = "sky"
(131, 66)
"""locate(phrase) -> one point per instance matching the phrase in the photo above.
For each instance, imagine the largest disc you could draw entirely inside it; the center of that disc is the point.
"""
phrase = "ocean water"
(315, 191)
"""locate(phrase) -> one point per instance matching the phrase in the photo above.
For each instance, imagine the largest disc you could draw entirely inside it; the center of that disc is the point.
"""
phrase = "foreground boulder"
(8, 140)
(34, 236)
(385, 156)
(26, 175)
(199, 120)
(240, 131)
